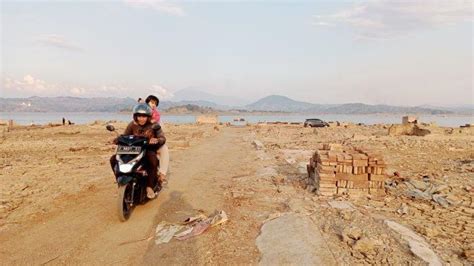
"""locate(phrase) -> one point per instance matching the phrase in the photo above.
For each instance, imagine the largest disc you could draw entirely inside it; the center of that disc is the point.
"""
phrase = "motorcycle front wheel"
(124, 202)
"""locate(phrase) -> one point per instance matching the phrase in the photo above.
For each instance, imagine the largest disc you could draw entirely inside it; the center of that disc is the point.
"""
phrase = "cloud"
(32, 86)
(161, 92)
(392, 18)
(28, 84)
(58, 41)
(158, 5)
(78, 91)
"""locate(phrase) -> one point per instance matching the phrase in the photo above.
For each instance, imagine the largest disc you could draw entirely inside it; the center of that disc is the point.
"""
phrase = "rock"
(258, 145)
(346, 214)
(438, 189)
(418, 194)
(403, 209)
(441, 200)
(418, 184)
(351, 234)
(366, 246)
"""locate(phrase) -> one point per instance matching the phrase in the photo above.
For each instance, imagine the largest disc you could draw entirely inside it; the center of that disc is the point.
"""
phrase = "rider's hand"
(153, 141)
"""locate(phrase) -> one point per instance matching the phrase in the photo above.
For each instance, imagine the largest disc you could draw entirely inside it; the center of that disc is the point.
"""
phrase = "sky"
(417, 52)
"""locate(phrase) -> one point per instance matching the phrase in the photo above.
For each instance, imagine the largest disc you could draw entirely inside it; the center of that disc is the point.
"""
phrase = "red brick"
(327, 184)
(360, 162)
(375, 177)
(326, 169)
(359, 177)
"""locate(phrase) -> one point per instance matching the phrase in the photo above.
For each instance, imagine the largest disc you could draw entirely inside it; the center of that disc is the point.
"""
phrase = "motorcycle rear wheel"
(124, 202)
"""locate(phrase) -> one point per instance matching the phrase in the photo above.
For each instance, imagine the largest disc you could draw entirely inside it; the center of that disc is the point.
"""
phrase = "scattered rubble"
(189, 228)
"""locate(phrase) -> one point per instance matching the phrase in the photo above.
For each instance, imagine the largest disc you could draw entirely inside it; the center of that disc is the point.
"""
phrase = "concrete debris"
(293, 240)
(417, 244)
(425, 190)
(258, 145)
(441, 200)
(343, 205)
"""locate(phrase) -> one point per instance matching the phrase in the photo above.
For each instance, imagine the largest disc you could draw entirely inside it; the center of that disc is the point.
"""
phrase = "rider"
(142, 126)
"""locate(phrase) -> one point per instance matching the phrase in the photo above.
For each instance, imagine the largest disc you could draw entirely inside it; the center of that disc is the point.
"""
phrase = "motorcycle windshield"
(131, 140)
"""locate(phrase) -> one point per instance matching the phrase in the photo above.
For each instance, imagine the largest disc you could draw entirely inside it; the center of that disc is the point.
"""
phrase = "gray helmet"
(141, 108)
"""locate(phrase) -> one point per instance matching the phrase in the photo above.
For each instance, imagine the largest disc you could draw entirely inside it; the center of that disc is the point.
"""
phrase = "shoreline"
(81, 118)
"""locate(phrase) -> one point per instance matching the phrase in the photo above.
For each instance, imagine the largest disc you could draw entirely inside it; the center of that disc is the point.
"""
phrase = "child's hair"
(139, 100)
(154, 98)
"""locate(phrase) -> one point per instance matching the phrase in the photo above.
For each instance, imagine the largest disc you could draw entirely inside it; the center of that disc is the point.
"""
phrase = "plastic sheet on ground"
(189, 228)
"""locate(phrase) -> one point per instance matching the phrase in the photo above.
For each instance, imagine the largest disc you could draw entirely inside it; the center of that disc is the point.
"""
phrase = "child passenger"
(163, 152)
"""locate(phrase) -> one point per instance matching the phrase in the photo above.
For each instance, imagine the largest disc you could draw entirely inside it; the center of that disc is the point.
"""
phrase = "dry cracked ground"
(58, 197)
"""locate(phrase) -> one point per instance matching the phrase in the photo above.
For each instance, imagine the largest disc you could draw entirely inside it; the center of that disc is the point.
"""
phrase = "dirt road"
(84, 229)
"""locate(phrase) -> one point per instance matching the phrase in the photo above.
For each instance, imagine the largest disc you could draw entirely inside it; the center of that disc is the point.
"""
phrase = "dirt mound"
(407, 130)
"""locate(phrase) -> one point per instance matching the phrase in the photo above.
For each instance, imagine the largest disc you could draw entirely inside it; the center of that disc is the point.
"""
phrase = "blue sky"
(376, 52)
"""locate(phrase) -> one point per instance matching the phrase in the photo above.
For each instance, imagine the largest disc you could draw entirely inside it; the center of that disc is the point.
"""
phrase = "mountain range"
(275, 103)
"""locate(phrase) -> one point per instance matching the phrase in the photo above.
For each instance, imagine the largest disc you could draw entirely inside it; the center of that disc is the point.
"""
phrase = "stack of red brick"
(335, 169)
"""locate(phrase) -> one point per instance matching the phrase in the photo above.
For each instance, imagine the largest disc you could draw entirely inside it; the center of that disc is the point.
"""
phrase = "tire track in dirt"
(200, 180)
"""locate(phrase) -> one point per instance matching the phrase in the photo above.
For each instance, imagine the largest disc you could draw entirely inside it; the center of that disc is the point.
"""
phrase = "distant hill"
(279, 103)
(360, 108)
(195, 95)
(273, 103)
(282, 103)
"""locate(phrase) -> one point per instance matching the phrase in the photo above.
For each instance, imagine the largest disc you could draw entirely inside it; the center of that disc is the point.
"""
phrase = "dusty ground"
(57, 198)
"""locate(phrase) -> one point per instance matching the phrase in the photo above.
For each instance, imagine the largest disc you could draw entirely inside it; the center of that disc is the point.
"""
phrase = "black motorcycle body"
(130, 174)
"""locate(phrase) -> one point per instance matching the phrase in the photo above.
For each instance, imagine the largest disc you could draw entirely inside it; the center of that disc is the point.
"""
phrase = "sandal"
(150, 193)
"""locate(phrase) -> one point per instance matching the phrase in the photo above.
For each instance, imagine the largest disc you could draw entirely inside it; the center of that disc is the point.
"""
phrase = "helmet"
(141, 108)
(154, 98)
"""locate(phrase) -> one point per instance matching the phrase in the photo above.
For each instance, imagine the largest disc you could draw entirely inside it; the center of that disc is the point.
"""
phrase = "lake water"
(25, 118)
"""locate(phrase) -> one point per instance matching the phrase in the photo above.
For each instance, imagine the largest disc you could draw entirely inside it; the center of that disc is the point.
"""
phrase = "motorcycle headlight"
(127, 167)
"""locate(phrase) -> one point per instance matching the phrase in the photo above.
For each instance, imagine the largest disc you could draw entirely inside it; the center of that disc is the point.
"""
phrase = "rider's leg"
(152, 165)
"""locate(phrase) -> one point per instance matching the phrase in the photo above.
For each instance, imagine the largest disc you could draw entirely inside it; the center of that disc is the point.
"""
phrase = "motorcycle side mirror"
(156, 127)
(110, 128)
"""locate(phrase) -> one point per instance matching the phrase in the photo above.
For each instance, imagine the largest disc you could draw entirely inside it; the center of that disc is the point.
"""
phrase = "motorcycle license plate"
(128, 149)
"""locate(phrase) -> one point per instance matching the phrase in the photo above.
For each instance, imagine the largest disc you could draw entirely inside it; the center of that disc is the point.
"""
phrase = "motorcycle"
(130, 173)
